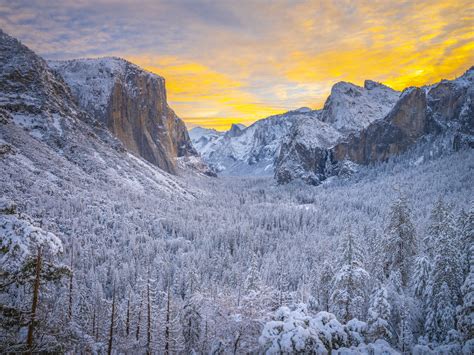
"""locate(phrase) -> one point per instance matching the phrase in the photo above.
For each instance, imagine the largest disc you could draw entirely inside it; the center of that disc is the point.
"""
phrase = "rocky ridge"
(47, 141)
(132, 103)
(441, 110)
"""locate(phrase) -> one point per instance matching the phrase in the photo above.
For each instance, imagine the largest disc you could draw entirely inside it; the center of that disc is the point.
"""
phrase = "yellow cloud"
(238, 77)
(203, 96)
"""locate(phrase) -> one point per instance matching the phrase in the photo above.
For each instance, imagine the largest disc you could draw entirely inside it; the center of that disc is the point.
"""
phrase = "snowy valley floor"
(207, 268)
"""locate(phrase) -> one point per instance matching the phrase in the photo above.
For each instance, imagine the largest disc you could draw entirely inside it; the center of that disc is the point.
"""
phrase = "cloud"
(236, 61)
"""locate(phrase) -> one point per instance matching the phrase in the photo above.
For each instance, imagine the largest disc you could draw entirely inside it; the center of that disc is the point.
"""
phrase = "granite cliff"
(132, 103)
(444, 111)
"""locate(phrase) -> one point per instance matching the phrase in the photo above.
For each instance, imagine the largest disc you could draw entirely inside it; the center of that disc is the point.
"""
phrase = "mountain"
(132, 103)
(50, 143)
(350, 108)
(441, 110)
(246, 150)
(256, 150)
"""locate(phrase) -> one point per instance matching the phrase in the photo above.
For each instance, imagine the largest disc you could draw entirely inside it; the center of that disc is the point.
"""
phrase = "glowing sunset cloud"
(238, 61)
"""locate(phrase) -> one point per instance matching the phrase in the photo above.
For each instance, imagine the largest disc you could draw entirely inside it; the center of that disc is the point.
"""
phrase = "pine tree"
(379, 316)
(400, 242)
(191, 324)
(253, 282)
(405, 335)
(466, 310)
(283, 286)
(446, 275)
(421, 277)
(465, 230)
(29, 266)
(348, 299)
(324, 289)
(112, 323)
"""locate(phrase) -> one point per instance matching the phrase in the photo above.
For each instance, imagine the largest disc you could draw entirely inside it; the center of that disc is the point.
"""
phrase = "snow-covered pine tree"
(405, 334)
(349, 295)
(253, 281)
(283, 286)
(465, 230)
(466, 310)
(191, 324)
(400, 245)
(446, 275)
(171, 335)
(379, 316)
(28, 259)
(421, 276)
(324, 289)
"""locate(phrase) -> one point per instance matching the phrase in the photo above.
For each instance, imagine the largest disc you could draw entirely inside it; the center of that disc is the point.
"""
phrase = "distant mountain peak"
(351, 107)
(235, 130)
(370, 85)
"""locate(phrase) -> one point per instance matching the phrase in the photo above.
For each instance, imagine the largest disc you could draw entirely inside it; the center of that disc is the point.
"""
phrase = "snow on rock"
(99, 75)
(375, 123)
(247, 150)
(350, 107)
(49, 133)
(132, 104)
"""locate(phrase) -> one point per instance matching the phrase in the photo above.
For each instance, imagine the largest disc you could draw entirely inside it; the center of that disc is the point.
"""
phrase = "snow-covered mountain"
(357, 125)
(131, 102)
(255, 150)
(246, 150)
(102, 251)
(444, 109)
(350, 108)
(46, 138)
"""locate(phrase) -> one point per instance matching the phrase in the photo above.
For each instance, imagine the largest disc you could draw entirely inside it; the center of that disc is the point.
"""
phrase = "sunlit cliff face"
(229, 61)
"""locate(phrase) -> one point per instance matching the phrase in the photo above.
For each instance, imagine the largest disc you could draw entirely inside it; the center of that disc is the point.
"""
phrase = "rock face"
(247, 150)
(348, 109)
(27, 84)
(351, 108)
(48, 142)
(400, 129)
(132, 103)
(442, 110)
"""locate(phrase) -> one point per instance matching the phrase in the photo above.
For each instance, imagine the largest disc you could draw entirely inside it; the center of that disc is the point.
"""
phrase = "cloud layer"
(237, 61)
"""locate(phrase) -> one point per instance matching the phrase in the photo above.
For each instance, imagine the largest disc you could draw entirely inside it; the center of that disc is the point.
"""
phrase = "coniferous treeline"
(161, 276)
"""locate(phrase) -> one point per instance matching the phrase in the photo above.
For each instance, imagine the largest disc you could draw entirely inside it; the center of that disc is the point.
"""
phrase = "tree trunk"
(93, 324)
(71, 285)
(111, 334)
(139, 320)
(167, 329)
(127, 326)
(148, 317)
(34, 305)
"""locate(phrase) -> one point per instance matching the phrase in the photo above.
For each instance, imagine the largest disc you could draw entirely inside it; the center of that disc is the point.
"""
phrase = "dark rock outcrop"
(132, 103)
(27, 85)
(402, 127)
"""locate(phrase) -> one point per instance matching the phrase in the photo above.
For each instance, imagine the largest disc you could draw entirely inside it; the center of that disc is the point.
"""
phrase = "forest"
(382, 261)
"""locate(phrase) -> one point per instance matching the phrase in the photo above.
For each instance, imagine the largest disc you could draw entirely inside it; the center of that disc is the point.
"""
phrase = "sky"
(236, 61)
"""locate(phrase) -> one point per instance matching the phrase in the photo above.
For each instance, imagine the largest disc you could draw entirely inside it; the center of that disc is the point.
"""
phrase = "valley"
(342, 230)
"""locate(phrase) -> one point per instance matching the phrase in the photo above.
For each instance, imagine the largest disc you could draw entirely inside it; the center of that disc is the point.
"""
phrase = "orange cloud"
(242, 79)
(238, 61)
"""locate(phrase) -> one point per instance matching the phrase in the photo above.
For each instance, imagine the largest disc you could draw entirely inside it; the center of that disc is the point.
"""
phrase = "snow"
(351, 108)
(294, 331)
(20, 238)
(92, 80)
(238, 248)
(249, 150)
(378, 347)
